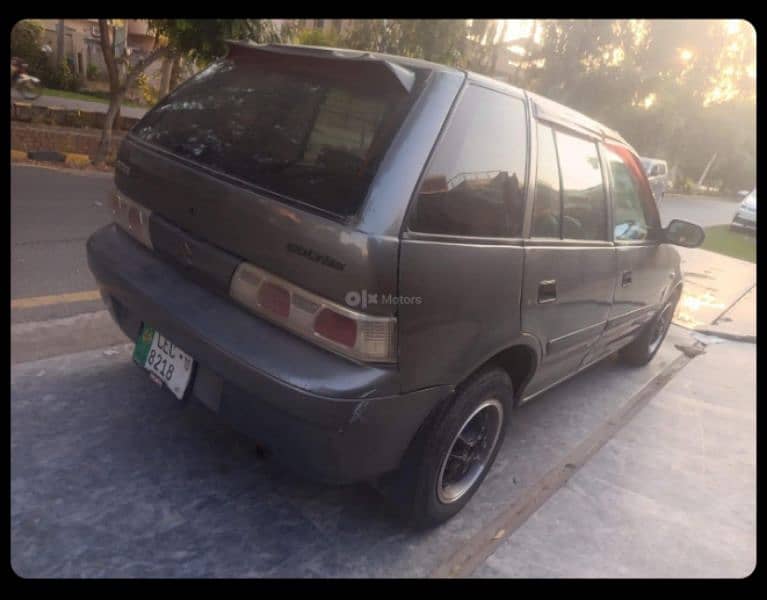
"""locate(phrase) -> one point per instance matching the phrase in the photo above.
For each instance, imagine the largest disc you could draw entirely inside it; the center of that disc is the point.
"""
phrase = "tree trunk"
(175, 72)
(706, 170)
(60, 32)
(106, 135)
(496, 47)
(165, 78)
(117, 89)
(115, 96)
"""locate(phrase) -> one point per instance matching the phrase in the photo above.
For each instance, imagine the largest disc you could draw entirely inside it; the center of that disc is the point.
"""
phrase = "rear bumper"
(329, 418)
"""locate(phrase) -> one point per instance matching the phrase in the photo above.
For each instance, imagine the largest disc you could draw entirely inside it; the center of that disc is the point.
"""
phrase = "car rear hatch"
(267, 157)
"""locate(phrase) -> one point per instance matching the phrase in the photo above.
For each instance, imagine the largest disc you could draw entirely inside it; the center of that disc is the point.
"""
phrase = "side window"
(639, 205)
(629, 219)
(547, 208)
(584, 210)
(475, 182)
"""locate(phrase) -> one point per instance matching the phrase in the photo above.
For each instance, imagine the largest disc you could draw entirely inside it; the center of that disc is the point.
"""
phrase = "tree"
(680, 90)
(200, 40)
(439, 40)
(316, 37)
(204, 40)
(118, 85)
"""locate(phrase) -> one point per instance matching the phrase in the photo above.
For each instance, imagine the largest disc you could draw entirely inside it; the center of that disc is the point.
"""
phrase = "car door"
(569, 259)
(462, 255)
(644, 265)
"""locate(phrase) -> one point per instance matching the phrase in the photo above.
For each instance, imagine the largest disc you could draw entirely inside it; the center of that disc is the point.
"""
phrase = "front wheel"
(642, 350)
(30, 90)
(453, 451)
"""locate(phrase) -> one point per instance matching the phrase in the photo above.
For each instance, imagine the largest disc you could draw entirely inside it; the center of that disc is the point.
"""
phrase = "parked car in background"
(745, 218)
(657, 174)
(368, 265)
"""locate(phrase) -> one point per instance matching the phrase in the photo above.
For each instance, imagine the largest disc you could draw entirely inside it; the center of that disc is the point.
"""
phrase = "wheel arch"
(520, 361)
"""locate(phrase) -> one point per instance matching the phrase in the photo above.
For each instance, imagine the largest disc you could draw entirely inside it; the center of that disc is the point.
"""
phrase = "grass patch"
(721, 239)
(86, 97)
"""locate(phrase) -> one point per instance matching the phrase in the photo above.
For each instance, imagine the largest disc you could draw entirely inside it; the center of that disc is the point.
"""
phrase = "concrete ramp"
(713, 283)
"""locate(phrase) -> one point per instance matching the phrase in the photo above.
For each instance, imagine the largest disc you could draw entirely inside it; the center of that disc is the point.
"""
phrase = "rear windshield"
(311, 138)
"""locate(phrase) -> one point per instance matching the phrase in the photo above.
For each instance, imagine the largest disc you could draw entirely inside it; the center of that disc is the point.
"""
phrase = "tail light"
(275, 299)
(335, 327)
(131, 217)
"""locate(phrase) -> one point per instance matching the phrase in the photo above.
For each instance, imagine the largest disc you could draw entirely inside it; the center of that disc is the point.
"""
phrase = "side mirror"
(684, 233)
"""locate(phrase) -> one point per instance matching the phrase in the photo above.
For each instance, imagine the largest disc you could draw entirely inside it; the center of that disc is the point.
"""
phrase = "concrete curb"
(44, 339)
(735, 337)
(70, 159)
(26, 112)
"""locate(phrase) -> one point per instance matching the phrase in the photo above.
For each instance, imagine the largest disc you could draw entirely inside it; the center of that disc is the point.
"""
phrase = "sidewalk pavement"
(713, 283)
(84, 105)
(739, 322)
(673, 494)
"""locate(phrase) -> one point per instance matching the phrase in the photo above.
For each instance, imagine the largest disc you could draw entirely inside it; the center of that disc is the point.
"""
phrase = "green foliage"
(92, 72)
(61, 77)
(608, 68)
(316, 37)
(148, 94)
(439, 40)
(721, 239)
(204, 40)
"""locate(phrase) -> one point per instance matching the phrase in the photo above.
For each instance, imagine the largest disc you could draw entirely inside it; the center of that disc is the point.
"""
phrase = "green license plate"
(166, 361)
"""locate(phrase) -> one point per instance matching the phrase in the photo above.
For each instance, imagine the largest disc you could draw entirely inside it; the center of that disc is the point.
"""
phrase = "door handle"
(625, 278)
(547, 291)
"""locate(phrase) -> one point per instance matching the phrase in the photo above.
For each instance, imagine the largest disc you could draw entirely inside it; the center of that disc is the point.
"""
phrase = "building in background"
(82, 46)
(81, 43)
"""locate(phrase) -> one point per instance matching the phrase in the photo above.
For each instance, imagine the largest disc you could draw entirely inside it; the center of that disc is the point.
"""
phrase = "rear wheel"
(642, 350)
(453, 451)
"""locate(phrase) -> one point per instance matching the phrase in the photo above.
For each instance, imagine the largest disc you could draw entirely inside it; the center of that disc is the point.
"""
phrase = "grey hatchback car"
(366, 261)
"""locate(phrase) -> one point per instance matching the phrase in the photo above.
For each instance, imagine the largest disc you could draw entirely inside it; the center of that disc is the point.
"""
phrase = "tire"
(642, 350)
(428, 488)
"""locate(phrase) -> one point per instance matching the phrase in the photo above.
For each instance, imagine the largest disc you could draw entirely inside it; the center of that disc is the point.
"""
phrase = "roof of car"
(544, 108)
(415, 63)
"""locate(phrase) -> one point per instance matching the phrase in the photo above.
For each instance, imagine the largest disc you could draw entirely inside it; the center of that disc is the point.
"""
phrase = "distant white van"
(657, 174)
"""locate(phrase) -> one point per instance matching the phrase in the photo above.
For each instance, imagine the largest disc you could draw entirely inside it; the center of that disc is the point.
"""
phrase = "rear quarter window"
(475, 182)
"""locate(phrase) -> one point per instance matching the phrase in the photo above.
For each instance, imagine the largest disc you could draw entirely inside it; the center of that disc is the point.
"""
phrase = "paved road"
(85, 105)
(703, 210)
(53, 211)
(112, 477)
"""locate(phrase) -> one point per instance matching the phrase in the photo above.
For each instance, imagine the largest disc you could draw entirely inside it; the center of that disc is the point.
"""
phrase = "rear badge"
(323, 259)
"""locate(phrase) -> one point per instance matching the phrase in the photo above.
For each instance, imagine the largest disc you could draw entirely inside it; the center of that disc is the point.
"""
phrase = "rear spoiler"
(351, 62)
